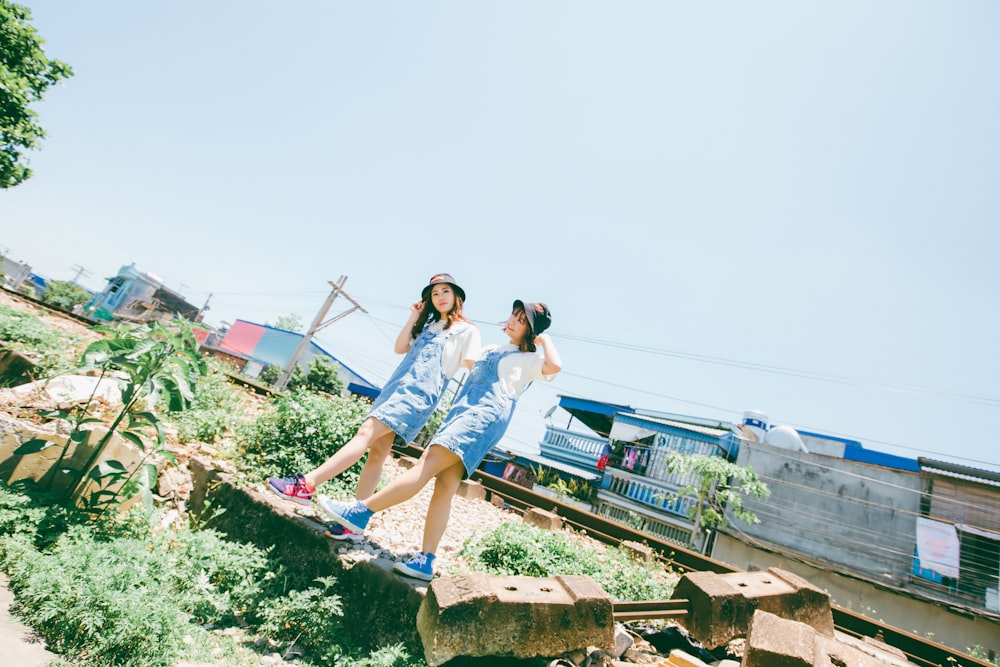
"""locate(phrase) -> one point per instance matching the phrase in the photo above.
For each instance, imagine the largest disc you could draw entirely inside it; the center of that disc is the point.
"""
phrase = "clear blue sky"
(784, 206)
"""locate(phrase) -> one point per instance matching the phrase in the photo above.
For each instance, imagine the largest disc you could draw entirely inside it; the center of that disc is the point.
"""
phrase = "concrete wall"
(940, 622)
(854, 516)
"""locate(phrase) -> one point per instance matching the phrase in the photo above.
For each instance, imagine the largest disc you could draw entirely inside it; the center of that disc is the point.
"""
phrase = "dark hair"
(528, 342)
(429, 314)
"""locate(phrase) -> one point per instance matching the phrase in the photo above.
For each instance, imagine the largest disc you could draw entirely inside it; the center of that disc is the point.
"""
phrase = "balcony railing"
(573, 448)
(648, 492)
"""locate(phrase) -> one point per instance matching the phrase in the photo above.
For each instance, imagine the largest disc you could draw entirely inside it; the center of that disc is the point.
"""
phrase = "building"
(256, 346)
(134, 296)
(914, 542)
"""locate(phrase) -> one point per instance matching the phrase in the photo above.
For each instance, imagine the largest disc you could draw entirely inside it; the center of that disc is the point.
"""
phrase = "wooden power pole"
(317, 324)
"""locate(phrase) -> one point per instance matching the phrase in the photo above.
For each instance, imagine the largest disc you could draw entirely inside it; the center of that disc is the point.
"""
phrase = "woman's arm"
(553, 363)
(404, 337)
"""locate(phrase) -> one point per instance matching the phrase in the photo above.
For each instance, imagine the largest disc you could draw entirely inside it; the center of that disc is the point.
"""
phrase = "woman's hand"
(416, 308)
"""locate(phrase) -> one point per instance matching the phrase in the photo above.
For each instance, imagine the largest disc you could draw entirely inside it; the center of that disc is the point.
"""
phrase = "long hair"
(528, 342)
(429, 314)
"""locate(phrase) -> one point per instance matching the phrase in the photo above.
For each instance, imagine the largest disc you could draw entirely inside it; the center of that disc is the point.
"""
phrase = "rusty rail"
(650, 610)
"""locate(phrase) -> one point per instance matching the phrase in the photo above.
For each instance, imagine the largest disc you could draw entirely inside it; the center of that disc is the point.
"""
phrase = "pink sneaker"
(337, 532)
(291, 488)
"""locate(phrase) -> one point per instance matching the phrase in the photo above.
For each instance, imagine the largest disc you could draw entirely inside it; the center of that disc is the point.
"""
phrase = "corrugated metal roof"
(704, 430)
(963, 473)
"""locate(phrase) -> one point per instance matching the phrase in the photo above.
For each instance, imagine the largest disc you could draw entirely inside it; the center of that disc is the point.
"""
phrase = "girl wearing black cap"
(438, 341)
(477, 420)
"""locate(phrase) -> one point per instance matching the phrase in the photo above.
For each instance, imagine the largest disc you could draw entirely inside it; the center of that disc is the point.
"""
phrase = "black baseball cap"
(439, 278)
(538, 314)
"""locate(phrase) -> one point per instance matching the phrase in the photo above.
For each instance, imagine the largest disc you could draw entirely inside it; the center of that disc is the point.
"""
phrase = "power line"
(765, 368)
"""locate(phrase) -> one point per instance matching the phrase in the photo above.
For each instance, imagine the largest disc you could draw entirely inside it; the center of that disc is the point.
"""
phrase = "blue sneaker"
(418, 566)
(354, 517)
(337, 532)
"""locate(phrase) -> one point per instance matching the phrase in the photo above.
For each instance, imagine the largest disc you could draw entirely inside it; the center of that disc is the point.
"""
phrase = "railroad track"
(919, 650)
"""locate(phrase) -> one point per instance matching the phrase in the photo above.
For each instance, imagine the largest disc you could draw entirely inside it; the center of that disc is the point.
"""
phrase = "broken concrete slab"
(720, 606)
(477, 615)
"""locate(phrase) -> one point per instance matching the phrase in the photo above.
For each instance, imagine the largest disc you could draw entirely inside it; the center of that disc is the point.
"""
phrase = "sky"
(781, 206)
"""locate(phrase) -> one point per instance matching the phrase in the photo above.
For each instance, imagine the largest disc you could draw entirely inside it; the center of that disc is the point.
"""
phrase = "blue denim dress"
(480, 413)
(409, 397)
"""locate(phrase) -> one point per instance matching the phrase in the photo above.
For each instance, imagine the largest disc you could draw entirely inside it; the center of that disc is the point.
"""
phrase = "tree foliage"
(25, 74)
(290, 322)
(718, 485)
(64, 294)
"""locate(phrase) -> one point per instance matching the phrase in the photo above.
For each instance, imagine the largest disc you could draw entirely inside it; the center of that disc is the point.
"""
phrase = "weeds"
(25, 333)
(302, 431)
(523, 550)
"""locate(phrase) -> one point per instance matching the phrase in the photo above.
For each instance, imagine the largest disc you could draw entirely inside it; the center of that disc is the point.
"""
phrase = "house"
(915, 542)
(256, 346)
(135, 296)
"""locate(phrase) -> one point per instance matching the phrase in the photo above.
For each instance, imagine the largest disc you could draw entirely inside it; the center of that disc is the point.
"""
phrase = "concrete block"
(863, 652)
(641, 552)
(542, 519)
(679, 658)
(471, 490)
(721, 605)
(477, 615)
(777, 642)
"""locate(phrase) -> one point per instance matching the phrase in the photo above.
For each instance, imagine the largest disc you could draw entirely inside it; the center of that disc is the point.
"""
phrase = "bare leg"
(371, 473)
(434, 460)
(369, 436)
(445, 485)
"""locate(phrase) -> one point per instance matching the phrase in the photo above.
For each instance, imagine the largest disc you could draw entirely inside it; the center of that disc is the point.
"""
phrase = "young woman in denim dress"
(438, 341)
(477, 420)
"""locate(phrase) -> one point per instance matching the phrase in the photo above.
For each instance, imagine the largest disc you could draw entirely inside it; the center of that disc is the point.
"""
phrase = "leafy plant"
(214, 409)
(64, 294)
(130, 599)
(26, 333)
(148, 361)
(572, 488)
(270, 374)
(307, 618)
(718, 485)
(300, 432)
(323, 375)
(522, 550)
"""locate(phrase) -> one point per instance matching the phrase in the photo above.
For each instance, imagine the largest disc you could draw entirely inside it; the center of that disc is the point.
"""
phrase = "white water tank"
(786, 437)
(755, 422)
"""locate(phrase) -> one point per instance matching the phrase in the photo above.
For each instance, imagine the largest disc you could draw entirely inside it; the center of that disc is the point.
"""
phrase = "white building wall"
(853, 516)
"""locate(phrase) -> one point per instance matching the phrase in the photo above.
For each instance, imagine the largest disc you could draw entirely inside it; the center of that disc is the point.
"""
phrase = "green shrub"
(52, 352)
(309, 619)
(214, 409)
(64, 294)
(113, 592)
(300, 432)
(522, 550)
(323, 376)
(91, 600)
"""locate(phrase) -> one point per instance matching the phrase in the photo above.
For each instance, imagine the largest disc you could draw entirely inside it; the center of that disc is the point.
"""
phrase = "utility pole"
(201, 312)
(316, 325)
(80, 271)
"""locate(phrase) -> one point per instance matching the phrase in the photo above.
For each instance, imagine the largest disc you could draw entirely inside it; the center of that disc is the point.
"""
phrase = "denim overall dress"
(409, 397)
(480, 413)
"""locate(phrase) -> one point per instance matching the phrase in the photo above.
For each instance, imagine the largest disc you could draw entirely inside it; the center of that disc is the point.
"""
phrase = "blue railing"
(572, 448)
(647, 492)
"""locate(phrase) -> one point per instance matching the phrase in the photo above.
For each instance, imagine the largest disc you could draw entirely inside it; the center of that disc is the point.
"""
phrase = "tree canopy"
(25, 74)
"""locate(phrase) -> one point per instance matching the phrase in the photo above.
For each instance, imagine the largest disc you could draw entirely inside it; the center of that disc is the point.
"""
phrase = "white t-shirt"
(517, 371)
(463, 344)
